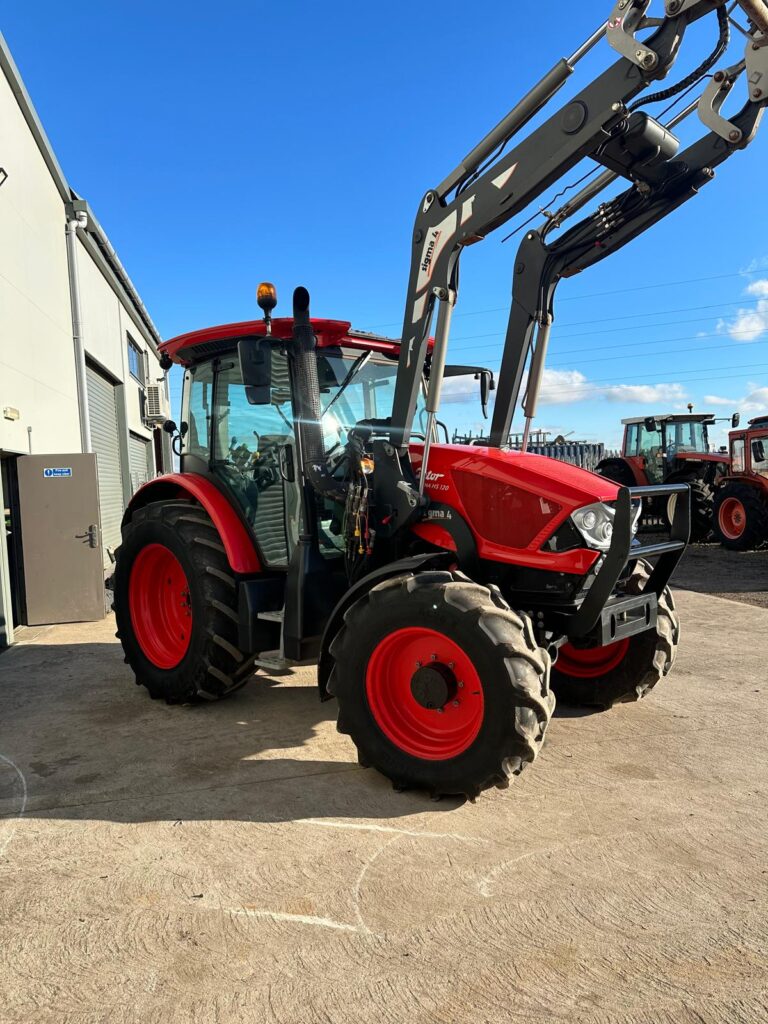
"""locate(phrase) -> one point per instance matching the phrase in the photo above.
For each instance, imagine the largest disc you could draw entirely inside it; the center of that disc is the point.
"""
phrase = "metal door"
(105, 440)
(140, 460)
(60, 538)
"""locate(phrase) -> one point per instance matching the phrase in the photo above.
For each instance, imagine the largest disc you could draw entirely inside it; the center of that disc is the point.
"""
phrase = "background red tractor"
(672, 449)
(741, 504)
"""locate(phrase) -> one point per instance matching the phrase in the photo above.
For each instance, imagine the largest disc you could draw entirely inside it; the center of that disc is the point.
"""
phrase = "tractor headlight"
(595, 524)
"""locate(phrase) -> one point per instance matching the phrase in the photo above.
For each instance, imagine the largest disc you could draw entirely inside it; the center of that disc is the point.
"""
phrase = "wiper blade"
(358, 364)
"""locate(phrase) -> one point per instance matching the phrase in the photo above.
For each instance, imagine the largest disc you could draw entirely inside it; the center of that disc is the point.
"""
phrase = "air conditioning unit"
(156, 406)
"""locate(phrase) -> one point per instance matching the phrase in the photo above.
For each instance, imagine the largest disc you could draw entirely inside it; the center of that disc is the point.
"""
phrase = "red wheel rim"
(405, 670)
(159, 604)
(732, 518)
(591, 662)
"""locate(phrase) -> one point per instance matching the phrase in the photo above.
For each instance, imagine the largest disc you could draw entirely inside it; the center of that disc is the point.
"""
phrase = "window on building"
(136, 361)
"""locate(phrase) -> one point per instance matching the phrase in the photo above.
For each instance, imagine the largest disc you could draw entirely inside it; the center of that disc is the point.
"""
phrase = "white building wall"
(37, 369)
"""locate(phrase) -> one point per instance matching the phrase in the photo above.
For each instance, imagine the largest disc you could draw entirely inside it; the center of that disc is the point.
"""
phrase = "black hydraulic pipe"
(515, 120)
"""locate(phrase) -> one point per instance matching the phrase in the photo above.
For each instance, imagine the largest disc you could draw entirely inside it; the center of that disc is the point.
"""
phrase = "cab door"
(253, 454)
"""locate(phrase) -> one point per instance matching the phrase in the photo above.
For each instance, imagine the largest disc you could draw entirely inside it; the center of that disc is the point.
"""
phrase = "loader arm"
(488, 189)
(615, 223)
(483, 193)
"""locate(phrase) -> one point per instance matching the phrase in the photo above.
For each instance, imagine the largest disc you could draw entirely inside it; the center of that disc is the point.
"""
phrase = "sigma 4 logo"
(429, 255)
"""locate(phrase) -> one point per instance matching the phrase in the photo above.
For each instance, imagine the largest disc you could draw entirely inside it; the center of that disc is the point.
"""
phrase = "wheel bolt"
(460, 685)
(433, 657)
(455, 703)
(418, 664)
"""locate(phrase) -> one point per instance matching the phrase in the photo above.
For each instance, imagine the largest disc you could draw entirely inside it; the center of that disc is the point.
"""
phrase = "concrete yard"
(231, 863)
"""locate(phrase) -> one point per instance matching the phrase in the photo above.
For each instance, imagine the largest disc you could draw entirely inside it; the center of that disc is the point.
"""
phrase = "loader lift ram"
(440, 588)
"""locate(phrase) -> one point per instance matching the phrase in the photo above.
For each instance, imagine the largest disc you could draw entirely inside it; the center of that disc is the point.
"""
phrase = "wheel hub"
(160, 606)
(433, 685)
(425, 693)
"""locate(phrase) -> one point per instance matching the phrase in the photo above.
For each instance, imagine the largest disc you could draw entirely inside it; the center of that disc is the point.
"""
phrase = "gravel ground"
(232, 864)
(735, 575)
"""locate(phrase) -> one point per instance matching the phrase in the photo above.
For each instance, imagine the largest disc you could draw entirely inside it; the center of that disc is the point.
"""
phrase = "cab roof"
(198, 345)
(693, 417)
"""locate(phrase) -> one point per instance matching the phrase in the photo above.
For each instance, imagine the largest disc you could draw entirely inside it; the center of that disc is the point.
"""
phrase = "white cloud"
(718, 400)
(645, 394)
(563, 387)
(749, 324)
(755, 401)
(567, 387)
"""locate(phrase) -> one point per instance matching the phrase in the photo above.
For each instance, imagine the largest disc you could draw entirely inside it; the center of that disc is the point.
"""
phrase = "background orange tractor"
(672, 449)
(741, 504)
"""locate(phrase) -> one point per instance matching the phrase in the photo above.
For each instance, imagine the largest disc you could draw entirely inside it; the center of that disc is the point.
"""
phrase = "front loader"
(444, 591)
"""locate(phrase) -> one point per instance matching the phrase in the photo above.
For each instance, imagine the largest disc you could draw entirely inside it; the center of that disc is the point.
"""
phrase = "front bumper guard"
(605, 617)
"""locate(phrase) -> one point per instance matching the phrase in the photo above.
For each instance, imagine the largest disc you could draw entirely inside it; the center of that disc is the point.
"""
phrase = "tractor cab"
(672, 448)
(657, 445)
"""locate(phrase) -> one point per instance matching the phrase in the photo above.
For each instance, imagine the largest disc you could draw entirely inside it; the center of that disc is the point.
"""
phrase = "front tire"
(440, 685)
(627, 670)
(175, 605)
(741, 517)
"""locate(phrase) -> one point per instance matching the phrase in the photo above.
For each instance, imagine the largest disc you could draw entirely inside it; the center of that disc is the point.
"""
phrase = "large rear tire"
(175, 605)
(741, 517)
(440, 685)
(702, 505)
(627, 670)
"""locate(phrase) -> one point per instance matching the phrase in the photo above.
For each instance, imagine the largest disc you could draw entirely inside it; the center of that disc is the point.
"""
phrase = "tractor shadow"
(92, 745)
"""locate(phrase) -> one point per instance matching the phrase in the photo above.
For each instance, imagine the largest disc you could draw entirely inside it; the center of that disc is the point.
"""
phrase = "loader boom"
(487, 189)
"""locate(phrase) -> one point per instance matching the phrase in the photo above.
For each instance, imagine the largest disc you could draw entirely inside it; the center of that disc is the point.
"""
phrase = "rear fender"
(238, 544)
(435, 560)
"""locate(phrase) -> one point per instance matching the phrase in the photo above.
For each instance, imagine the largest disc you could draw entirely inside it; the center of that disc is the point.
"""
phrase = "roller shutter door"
(140, 460)
(105, 440)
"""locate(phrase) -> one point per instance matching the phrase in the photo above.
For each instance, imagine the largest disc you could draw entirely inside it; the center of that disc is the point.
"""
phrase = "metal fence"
(584, 454)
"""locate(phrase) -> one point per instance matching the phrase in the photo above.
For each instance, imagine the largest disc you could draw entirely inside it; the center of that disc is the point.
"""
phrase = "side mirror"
(650, 424)
(255, 356)
(758, 451)
(735, 420)
(170, 427)
(487, 385)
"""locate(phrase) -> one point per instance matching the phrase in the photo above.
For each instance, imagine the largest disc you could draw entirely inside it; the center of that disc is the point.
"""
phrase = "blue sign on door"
(57, 471)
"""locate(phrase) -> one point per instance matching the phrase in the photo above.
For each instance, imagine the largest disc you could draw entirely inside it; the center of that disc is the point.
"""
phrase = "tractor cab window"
(198, 412)
(737, 455)
(646, 444)
(687, 437)
(357, 386)
(759, 452)
(254, 456)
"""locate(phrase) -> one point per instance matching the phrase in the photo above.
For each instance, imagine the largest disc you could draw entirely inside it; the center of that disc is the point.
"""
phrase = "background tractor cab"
(741, 504)
(672, 448)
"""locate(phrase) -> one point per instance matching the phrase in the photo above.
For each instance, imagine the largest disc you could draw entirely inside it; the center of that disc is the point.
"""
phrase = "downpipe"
(79, 220)
(310, 411)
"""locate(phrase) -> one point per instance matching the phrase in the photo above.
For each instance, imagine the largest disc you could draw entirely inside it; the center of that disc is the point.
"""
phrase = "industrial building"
(79, 376)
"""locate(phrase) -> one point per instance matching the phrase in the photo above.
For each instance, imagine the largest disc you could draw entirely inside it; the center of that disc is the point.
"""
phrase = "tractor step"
(275, 661)
(276, 616)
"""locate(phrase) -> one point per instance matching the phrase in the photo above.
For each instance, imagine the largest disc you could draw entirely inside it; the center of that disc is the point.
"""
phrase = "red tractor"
(672, 449)
(317, 518)
(741, 504)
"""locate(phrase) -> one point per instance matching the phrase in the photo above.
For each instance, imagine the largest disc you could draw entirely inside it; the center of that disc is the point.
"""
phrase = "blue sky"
(224, 144)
